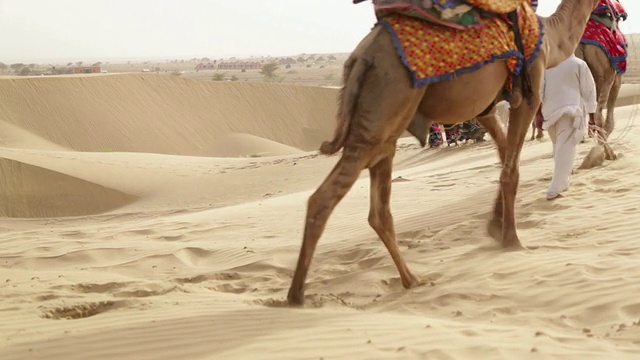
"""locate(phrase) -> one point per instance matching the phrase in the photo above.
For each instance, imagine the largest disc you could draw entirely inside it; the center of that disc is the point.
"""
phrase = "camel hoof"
(609, 154)
(295, 298)
(494, 229)
(411, 282)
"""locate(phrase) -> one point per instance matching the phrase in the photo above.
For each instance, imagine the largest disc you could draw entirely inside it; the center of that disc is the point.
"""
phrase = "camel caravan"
(423, 64)
(604, 48)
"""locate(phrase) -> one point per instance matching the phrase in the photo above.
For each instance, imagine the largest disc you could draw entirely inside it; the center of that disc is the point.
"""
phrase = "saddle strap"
(525, 79)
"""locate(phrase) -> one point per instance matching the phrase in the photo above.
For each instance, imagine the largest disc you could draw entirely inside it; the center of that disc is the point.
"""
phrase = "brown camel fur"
(608, 85)
(377, 103)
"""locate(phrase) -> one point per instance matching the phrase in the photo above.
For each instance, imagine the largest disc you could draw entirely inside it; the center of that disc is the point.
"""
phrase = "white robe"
(568, 88)
(568, 96)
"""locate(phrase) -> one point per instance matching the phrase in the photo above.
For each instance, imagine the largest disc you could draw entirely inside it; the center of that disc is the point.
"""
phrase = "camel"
(608, 80)
(607, 83)
(377, 104)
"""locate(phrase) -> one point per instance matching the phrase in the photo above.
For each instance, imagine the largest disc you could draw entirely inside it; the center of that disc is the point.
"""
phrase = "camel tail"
(354, 73)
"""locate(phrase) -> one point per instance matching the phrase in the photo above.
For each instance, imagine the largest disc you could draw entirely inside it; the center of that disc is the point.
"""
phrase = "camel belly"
(466, 96)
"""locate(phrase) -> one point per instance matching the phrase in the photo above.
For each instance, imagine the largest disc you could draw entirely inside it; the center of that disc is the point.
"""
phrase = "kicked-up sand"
(153, 217)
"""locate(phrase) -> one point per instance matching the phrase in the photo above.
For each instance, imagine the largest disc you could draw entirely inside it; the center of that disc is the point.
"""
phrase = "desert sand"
(148, 216)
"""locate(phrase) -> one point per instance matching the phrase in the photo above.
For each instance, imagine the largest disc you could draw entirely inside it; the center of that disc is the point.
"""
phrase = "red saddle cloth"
(613, 44)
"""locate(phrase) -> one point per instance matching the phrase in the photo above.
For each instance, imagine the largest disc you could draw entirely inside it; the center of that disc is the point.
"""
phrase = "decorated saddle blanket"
(436, 53)
(614, 44)
(457, 14)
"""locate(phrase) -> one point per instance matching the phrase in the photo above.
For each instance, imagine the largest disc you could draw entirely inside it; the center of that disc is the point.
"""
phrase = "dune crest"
(163, 113)
(247, 145)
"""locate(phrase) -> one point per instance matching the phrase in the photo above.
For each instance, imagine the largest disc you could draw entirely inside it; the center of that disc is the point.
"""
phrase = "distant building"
(240, 65)
(206, 66)
(86, 69)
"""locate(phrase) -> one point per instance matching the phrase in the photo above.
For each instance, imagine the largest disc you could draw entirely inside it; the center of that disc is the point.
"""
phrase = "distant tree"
(234, 78)
(17, 66)
(301, 59)
(25, 71)
(288, 66)
(97, 63)
(79, 63)
(218, 76)
(69, 64)
(3, 66)
(268, 70)
(274, 79)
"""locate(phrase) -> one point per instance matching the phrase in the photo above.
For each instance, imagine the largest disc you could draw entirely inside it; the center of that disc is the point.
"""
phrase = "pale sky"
(89, 30)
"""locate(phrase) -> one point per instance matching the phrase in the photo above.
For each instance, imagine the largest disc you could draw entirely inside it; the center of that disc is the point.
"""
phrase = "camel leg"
(533, 131)
(604, 79)
(609, 124)
(380, 217)
(495, 130)
(385, 107)
(519, 121)
(604, 83)
(319, 208)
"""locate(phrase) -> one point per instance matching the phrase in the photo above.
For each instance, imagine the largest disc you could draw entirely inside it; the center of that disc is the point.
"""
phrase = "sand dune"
(28, 191)
(162, 114)
(174, 255)
(241, 145)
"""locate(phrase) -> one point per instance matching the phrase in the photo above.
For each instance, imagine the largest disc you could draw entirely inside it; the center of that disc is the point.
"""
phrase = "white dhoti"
(566, 133)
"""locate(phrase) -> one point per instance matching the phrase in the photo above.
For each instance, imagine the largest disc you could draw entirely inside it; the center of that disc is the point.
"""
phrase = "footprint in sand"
(311, 301)
(400, 179)
(118, 290)
(83, 310)
(441, 186)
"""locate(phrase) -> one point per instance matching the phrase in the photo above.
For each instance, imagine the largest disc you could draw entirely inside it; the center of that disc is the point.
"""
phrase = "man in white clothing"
(568, 95)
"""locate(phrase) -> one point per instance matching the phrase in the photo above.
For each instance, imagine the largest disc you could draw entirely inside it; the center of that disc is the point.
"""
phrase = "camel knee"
(375, 220)
(379, 219)
(509, 179)
(318, 207)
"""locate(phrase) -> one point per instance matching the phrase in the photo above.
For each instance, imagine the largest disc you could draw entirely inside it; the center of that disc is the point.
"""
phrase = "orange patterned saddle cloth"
(457, 14)
(434, 53)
